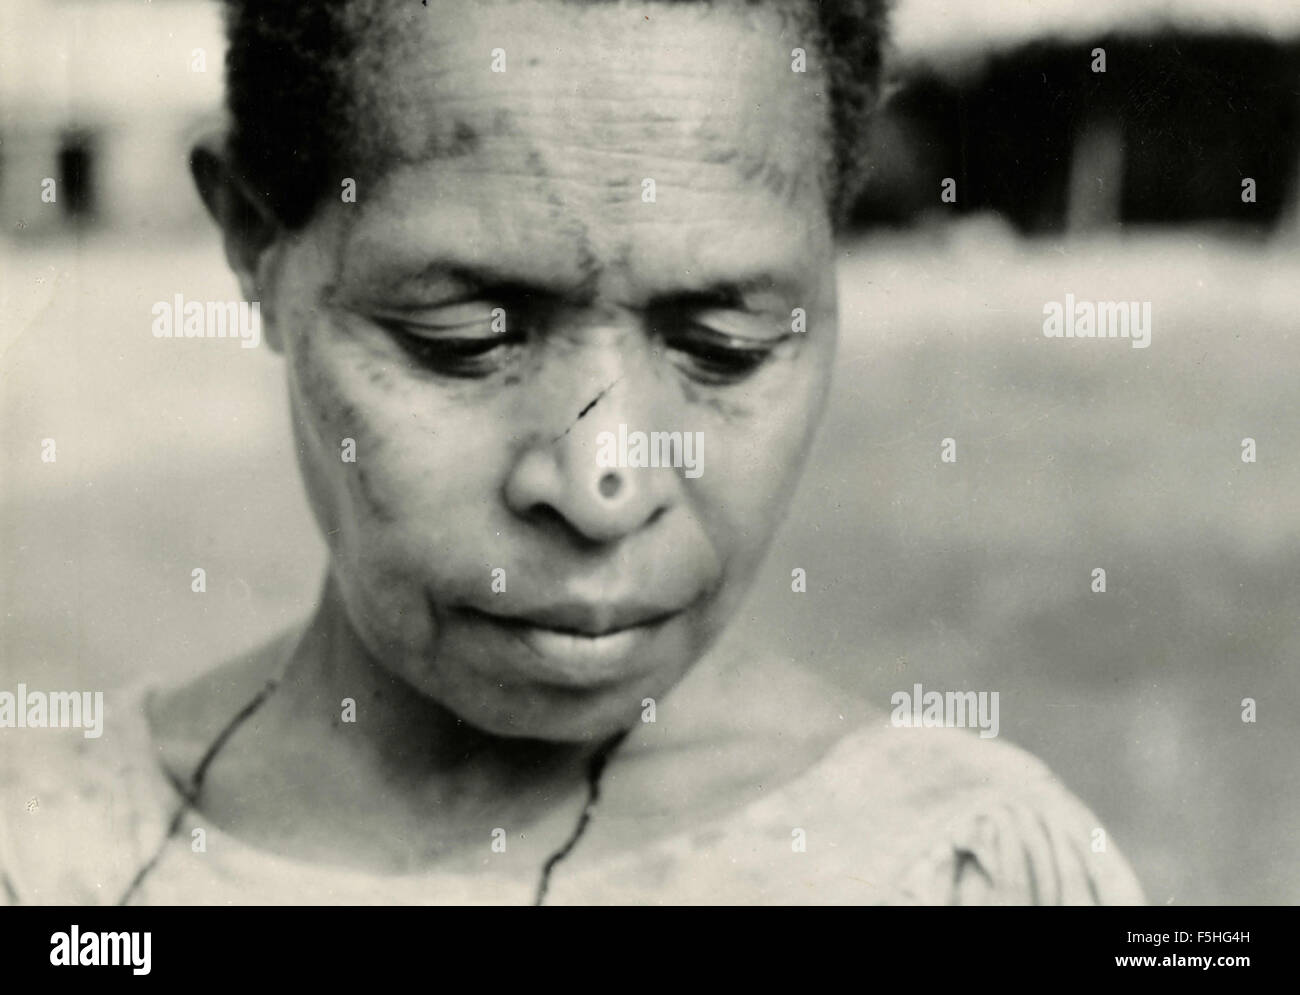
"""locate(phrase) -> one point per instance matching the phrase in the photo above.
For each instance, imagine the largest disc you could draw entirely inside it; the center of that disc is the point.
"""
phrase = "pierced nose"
(610, 485)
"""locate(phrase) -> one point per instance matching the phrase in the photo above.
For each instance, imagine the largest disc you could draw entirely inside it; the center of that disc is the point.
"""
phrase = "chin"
(525, 682)
(549, 713)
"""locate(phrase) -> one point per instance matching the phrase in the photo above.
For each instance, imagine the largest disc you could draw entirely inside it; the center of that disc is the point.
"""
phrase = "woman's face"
(506, 287)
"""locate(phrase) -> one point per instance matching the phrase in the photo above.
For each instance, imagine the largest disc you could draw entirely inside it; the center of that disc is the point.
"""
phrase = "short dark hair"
(287, 93)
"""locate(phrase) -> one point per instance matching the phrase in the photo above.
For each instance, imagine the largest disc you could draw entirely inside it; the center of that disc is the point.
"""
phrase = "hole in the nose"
(610, 485)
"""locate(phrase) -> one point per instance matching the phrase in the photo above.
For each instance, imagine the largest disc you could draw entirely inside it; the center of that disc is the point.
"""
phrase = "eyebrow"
(732, 293)
(473, 277)
(727, 294)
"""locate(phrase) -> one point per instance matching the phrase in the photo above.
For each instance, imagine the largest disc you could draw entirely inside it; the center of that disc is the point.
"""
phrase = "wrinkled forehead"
(523, 120)
(549, 82)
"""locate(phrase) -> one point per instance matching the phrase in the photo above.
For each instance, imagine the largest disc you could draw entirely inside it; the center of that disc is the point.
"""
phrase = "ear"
(248, 229)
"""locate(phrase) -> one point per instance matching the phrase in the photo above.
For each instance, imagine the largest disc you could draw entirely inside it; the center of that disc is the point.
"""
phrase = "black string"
(191, 792)
(594, 772)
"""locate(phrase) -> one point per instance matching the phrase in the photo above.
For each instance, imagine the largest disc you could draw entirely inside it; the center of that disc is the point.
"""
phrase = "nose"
(561, 480)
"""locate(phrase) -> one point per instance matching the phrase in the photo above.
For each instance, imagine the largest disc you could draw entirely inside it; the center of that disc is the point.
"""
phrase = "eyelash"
(462, 356)
(716, 362)
(714, 357)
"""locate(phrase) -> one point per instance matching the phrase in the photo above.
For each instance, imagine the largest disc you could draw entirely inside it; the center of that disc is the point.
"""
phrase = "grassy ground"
(1071, 455)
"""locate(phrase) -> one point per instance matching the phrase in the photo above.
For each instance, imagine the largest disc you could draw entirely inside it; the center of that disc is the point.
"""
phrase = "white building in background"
(104, 97)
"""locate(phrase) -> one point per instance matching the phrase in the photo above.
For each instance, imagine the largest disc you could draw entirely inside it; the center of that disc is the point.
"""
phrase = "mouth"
(578, 645)
(585, 619)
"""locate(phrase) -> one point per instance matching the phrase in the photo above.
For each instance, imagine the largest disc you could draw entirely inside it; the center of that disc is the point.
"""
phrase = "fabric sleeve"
(1039, 852)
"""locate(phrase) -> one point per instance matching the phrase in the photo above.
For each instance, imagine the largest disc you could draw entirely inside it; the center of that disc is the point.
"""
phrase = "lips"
(585, 618)
(575, 644)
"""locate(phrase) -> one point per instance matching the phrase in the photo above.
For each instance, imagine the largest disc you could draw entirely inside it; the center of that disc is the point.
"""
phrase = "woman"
(487, 240)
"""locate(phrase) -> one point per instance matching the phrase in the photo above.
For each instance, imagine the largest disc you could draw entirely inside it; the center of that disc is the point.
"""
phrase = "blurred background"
(1072, 454)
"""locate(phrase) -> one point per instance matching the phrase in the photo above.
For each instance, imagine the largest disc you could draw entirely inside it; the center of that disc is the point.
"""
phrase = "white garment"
(887, 816)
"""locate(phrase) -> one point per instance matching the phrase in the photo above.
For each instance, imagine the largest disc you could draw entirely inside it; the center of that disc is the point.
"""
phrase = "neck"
(404, 736)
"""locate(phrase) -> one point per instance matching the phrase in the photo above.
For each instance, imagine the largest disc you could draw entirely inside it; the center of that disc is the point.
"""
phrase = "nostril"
(610, 484)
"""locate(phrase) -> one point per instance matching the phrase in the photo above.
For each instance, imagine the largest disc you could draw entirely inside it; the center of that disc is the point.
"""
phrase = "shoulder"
(805, 800)
(80, 815)
(991, 823)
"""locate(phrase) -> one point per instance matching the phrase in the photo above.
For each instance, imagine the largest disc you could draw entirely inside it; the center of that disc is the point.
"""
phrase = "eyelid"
(442, 317)
(740, 325)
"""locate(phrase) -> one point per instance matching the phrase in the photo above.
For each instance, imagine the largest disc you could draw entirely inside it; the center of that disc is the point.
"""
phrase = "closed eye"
(468, 318)
(465, 339)
(721, 362)
(719, 346)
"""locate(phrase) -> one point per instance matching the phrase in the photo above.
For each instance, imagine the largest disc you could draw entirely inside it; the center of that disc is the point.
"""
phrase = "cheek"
(341, 446)
(399, 515)
(755, 445)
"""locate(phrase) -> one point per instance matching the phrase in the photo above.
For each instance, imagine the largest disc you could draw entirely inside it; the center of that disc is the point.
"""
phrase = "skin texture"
(524, 190)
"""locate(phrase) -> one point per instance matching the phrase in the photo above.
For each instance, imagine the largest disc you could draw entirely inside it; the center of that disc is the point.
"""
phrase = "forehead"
(590, 137)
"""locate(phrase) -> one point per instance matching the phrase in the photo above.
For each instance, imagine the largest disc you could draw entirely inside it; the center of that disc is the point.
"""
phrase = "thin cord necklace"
(190, 795)
(595, 768)
(190, 792)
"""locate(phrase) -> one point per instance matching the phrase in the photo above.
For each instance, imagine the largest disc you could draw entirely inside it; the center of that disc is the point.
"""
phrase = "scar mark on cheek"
(465, 140)
(366, 486)
(378, 375)
(732, 411)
